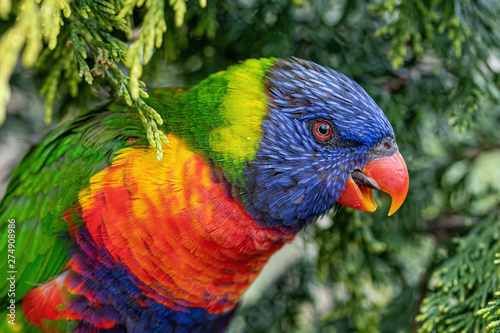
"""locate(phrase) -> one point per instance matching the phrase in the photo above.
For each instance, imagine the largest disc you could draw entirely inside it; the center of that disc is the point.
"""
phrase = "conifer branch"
(24, 33)
(464, 282)
(150, 37)
(418, 23)
(81, 43)
(416, 26)
(491, 312)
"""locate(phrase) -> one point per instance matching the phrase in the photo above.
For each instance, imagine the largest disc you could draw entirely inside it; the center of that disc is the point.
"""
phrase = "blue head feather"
(294, 178)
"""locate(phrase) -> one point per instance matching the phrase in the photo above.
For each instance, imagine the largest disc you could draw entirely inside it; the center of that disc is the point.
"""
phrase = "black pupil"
(323, 129)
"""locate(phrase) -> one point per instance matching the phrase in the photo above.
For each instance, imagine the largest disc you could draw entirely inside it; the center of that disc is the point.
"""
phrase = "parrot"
(103, 237)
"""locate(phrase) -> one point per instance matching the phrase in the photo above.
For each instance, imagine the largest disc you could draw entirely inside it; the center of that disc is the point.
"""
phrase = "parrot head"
(324, 141)
(292, 139)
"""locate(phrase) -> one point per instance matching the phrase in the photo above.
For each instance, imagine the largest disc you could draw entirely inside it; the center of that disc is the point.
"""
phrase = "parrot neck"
(224, 119)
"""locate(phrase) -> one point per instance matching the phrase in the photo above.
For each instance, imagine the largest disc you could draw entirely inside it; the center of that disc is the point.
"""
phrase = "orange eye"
(323, 130)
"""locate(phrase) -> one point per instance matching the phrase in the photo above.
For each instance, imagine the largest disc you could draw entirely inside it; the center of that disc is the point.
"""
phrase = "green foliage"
(433, 67)
(463, 283)
(418, 22)
(445, 27)
(83, 40)
(492, 313)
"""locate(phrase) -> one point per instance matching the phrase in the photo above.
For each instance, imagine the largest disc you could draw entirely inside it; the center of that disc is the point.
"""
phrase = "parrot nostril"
(387, 146)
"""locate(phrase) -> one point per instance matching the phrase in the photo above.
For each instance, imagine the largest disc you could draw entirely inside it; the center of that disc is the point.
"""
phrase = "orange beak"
(388, 174)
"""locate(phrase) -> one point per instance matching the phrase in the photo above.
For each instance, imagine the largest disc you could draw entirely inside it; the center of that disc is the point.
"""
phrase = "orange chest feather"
(175, 228)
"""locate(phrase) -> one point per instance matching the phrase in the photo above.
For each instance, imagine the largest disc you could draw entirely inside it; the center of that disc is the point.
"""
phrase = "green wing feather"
(47, 182)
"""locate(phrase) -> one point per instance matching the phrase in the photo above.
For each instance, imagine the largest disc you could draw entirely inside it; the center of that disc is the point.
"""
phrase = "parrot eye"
(322, 130)
(325, 133)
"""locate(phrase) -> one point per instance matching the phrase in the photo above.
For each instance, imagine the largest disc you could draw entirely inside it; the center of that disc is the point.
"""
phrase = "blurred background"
(432, 66)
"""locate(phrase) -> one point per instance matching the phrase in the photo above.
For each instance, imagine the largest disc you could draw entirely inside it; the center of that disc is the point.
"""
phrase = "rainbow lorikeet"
(107, 239)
